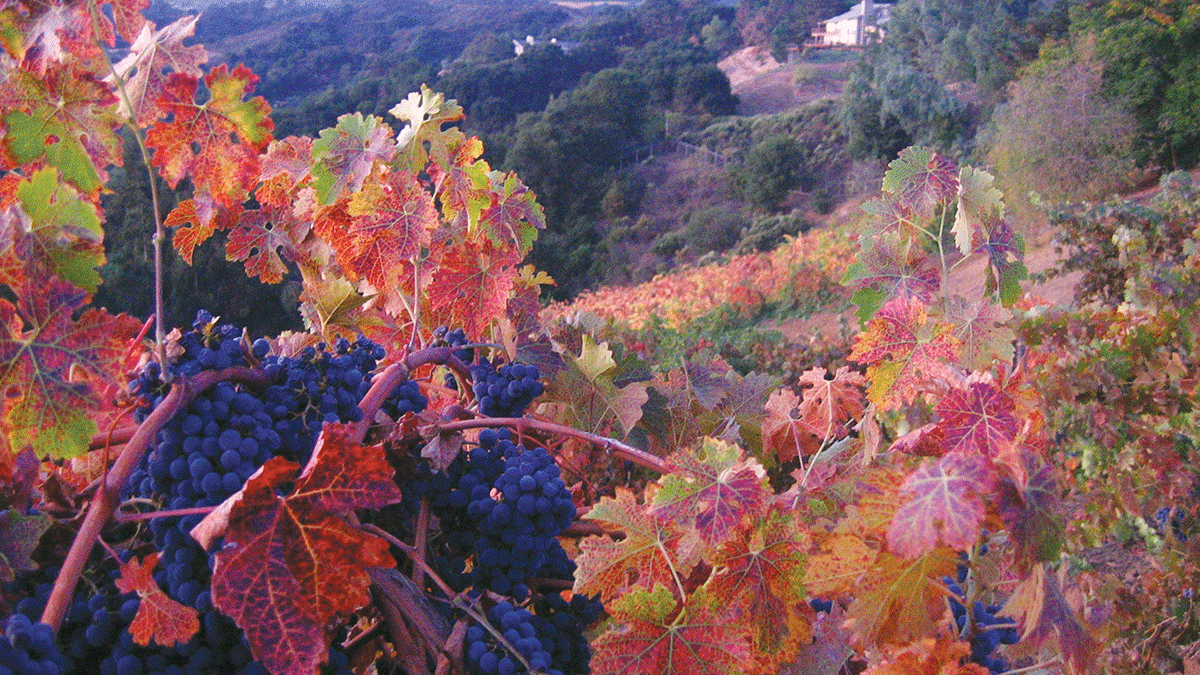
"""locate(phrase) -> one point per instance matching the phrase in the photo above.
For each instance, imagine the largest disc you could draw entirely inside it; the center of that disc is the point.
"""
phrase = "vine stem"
(395, 375)
(108, 496)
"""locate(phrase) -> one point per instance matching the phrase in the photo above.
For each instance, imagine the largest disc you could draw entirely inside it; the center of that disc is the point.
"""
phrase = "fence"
(649, 151)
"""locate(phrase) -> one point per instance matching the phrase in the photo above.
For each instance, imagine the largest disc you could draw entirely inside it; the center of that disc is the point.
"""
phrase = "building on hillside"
(855, 26)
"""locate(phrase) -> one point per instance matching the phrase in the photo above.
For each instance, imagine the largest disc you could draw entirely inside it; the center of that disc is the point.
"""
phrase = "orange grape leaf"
(650, 552)
(928, 656)
(390, 221)
(217, 142)
(292, 563)
(159, 618)
(65, 117)
(831, 402)
(195, 220)
(836, 569)
(902, 350)
(263, 237)
(472, 285)
(785, 433)
(715, 487)
(1038, 605)
(514, 216)
(19, 536)
(52, 365)
(345, 155)
(980, 420)
(878, 500)
(142, 70)
(424, 114)
(900, 599)
(946, 506)
(651, 639)
(922, 180)
(760, 569)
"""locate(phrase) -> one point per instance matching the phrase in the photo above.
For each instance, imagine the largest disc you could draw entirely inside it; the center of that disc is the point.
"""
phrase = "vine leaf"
(159, 618)
(978, 420)
(928, 656)
(262, 237)
(715, 489)
(195, 220)
(152, 53)
(903, 349)
(64, 117)
(830, 402)
(127, 17)
(654, 638)
(835, 570)
(978, 202)
(465, 184)
(51, 366)
(946, 506)
(19, 536)
(1031, 511)
(891, 268)
(1038, 604)
(63, 232)
(922, 180)
(982, 328)
(514, 216)
(901, 599)
(651, 552)
(1006, 251)
(424, 114)
(472, 284)
(198, 141)
(760, 570)
(587, 387)
(292, 563)
(390, 221)
(345, 155)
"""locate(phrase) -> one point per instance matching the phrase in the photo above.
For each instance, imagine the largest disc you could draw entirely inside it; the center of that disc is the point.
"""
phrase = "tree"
(771, 169)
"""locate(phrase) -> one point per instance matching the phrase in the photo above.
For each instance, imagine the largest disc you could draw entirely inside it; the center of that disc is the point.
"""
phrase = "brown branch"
(123, 517)
(106, 439)
(109, 493)
(395, 375)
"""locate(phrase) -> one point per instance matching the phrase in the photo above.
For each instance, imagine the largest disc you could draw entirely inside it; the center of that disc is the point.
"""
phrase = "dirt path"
(763, 85)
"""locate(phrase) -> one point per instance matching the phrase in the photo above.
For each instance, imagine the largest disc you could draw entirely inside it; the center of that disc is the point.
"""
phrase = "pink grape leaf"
(902, 350)
(19, 536)
(286, 165)
(143, 69)
(922, 180)
(716, 488)
(946, 506)
(127, 18)
(472, 285)
(652, 638)
(892, 268)
(650, 553)
(217, 142)
(159, 618)
(424, 114)
(263, 237)
(345, 155)
(761, 571)
(786, 434)
(65, 118)
(978, 420)
(830, 402)
(898, 600)
(925, 441)
(54, 33)
(52, 365)
(982, 328)
(1032, 512)
(292, 563)
(514, 216)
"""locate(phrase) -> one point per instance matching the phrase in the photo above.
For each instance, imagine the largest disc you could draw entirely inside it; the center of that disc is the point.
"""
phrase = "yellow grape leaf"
(899, 599)
(836, 569)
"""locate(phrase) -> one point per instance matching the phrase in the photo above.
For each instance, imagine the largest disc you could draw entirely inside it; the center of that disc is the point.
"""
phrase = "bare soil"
(766, 86)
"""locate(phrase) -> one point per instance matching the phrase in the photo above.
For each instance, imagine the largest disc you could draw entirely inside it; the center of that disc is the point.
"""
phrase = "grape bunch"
(29, 649)
(1167, 517)
(405, 398)
(988, 631)
(444, 337)
(505, 390)
(550, 639)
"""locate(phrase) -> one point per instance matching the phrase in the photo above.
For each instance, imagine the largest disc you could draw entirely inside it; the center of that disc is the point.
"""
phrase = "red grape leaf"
(785, 433)
(922, 180)
(980, 419)
(151, 53)
(902, 350)
(424, 114)
(472, 285)
(127, 16)
(716, 488)
(19, 536)
(1032, 512)
(892, 268)
(831, 402)
(946, 506)
(514, 216)
(1038, 604)
(345, 155)
(291, 564)
(195, 221)
(879, 498)
(761, 570)
(390, 221)
(199, 140)
(263, 237)
(159, 618)
(65, 117)
(650, 552)
(63, 234)
(925, 441)
(51, 365)
(651, 638)
(899, 599)
(982, 329)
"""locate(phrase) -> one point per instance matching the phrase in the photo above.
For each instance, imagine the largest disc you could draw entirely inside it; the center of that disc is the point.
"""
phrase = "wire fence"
(649, 151)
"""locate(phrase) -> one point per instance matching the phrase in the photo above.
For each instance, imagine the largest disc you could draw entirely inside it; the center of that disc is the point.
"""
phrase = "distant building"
(853, 27)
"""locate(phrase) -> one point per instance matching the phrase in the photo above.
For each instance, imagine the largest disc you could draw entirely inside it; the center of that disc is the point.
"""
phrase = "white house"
(853, 27)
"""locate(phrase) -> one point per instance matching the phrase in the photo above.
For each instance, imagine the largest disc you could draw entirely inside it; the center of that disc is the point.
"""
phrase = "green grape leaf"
(64, 231)
(921, 180)
(345, 155)
(978, 203)
(1030, 506)
(1005, 250)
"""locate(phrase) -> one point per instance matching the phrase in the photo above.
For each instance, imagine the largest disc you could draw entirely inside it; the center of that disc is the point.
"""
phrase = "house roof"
(855, 12)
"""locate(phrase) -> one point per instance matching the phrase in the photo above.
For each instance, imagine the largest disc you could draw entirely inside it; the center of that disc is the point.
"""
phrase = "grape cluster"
(405, 398)
(444, 337)
(506, 390)
(30, 649)
(550, 639)
(1172, 518)
(988, 631)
